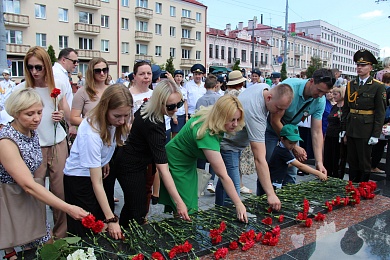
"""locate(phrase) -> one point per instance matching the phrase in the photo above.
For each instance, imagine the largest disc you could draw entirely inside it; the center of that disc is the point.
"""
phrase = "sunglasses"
(74, 61)
(173, 106)
(327, 79)
(36, 67)
(143, 61)
(99, 71)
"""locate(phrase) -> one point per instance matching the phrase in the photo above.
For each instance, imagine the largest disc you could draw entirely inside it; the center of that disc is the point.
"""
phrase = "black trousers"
(359, 159)
(377, 152)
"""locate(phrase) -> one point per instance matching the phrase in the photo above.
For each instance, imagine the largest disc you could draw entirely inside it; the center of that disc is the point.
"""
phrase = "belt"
(361, 112)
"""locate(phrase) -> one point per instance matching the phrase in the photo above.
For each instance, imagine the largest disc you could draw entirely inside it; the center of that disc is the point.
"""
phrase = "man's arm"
(276, 122)
(318, 143)
(262, 170)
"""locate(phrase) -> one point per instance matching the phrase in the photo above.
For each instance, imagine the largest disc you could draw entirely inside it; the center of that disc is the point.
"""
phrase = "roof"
(232, 35)
(194, 2)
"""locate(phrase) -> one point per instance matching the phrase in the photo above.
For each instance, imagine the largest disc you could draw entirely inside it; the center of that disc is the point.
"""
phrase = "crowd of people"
(151, 131)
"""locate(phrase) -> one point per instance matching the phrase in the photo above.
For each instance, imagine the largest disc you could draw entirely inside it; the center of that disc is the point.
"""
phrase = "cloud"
(370, 15)
(385, 52)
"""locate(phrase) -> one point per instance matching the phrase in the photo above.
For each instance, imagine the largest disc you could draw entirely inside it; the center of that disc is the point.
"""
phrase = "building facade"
(345, 43)
(120, 31)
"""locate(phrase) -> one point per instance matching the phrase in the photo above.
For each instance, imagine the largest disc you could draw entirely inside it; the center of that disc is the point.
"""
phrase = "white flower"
(81, 255)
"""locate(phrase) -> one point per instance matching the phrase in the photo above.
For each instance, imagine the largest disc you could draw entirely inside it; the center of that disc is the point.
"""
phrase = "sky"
(364, 18)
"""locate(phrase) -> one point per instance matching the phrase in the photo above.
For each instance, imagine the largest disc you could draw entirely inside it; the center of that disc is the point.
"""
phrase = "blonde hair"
(215, 117)
(340, 90)
(115, 96)
(20, 100)
(153, 109)
(41, 54)
(90, 77)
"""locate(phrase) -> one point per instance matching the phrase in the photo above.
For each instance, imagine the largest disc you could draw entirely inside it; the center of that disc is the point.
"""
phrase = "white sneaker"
(210, 187)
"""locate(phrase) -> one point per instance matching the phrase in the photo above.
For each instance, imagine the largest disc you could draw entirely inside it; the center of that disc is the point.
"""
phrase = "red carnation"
(308, 222)
(186, 247)
(88, 221)
(319, 217)
(146, 99)
(249, 244)
(98, 226)
(216, 240)
(267, 221)
(157, 256)
(276, 231)
(273, 241)
(281, 218)
(55, 92)
(138, 257)
(258, 237)
(221, 253)
(233, 245)
(222, 226)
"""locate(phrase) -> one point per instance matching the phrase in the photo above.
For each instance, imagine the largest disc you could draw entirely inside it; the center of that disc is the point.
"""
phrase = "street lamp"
(253, 42)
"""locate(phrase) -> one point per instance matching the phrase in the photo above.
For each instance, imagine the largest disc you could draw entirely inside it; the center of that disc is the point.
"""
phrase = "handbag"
(22, 217)
(203, 180)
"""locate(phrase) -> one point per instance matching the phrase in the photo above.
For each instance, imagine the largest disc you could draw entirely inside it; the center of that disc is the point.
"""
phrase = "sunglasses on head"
(172, 107)
(326, 79)
(144, 61)
(99, 71)
(36, 67)
(74, 61)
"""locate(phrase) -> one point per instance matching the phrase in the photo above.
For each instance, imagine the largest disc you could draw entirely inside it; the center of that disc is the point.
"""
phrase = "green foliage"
(283, 72)
(236, 65)
(60, 249)
(169, 66)
(315, 64)
(52, 54)
(377, 67)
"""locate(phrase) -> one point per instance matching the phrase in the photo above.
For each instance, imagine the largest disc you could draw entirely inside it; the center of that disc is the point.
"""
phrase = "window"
(198, 17)
(105, 45)
(125, 24)
(222, 52)
(185, 54)
(158, 8)
(142, 3)
(210, 50)
(41, 39)
(243, 55)
(229, 54)
(105, 21)
(235, 53)
(186, 13)
(172, 52)
(106, 1)
(158, 29)
(40, 11)
(14, 36)
(142, 49)
(217, 51)
(11, 6)
(198, 36)
(17, 68)
(82, 67)
(172, 31)
(125, 69)
(63, 41)
(185, 33)
(125, 47)
(158, 51)
(62, 15)
(172, 11)
(85, 17)
(125, 3)
(85, 43)
(142, 26)
(197, 55)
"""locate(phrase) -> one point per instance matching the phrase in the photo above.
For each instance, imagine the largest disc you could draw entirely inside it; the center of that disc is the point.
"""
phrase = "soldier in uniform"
(362, 116)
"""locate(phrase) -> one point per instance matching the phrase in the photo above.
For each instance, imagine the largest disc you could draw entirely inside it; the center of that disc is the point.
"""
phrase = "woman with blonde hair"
(52, 136)
(199, 139)
(20, 157)
(98, 135)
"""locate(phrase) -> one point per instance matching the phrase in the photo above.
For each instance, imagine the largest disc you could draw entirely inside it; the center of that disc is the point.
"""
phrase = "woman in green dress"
(199, 139)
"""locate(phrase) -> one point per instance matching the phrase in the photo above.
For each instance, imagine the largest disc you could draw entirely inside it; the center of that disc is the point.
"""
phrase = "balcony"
(143, 36)
(88, 54)
(187, 42)
(16, 48)
(17, 20)
(282, 50)
(141, 12)
(298, 53)
(188, 22)
(91, 4)
(263, 63)
(83, 28)
(143, 57)
(187, 63)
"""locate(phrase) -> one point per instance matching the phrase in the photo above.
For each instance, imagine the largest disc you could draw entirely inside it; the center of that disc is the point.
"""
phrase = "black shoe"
(300, 173)
(154, 200)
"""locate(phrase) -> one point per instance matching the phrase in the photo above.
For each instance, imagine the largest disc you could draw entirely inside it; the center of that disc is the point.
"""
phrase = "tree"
(169, 65)
(283, 72)
(236, 65)
(315, 64)
(52, 54)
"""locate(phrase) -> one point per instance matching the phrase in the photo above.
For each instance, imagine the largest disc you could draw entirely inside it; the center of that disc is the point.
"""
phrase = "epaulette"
(378, 81)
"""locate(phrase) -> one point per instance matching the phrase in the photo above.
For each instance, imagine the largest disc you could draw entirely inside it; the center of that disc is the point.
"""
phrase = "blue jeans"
(271, 140)
(232, 162)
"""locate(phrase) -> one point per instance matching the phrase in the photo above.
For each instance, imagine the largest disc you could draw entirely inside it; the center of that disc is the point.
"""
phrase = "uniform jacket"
(370, 96)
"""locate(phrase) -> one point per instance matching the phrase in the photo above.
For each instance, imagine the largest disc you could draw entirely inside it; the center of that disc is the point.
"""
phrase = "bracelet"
(111, 220)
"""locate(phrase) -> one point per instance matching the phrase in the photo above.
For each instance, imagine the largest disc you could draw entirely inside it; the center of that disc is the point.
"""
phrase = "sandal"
(9, 255)
(245, 190)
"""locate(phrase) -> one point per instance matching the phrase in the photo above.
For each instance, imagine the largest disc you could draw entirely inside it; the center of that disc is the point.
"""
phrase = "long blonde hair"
(215, 117)
(41, 54)
(90, 77)
(115, 96)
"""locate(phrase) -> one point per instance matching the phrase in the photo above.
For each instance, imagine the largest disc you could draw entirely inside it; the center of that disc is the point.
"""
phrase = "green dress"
(183, 152)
